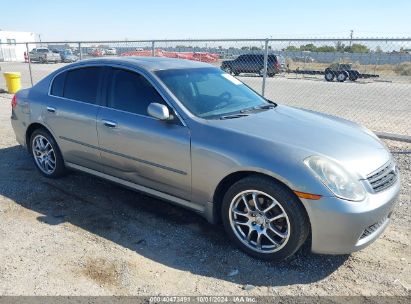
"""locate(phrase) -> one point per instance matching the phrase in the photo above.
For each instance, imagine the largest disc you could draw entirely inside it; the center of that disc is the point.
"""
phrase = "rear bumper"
(341, 227)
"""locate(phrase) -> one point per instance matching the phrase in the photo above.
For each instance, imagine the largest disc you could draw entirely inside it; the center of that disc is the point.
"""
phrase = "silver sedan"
(196, 136)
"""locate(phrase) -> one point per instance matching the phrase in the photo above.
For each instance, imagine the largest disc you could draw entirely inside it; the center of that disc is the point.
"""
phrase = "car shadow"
(150, 227)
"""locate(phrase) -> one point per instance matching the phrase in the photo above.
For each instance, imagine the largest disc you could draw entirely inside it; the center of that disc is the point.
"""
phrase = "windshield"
(210, 92)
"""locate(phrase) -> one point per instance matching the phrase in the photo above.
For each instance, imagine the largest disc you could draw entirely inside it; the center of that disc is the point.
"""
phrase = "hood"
(315, 134)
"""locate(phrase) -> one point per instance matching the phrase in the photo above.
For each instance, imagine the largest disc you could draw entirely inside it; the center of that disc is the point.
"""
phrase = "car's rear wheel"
(342, 76)
(46, 154)
(264, 218)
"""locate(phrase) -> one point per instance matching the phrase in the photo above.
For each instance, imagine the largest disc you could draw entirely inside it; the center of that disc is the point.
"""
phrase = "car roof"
(147, 63)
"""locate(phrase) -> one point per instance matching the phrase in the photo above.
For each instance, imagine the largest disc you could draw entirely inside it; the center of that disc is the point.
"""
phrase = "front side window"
(209, 92)
(131, 92)
(82, 84)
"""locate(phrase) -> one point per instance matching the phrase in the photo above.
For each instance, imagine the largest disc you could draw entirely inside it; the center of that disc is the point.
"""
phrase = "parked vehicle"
(68, 56)
(44, 55)
(111, 51)
(252, 63)
(189, 133)
(97, 52)
(339, 71)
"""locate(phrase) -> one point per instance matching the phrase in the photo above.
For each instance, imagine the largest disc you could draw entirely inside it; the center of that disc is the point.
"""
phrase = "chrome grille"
(383, 178)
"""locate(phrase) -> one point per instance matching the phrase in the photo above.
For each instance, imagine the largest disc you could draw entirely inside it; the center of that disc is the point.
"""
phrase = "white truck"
(44, 55)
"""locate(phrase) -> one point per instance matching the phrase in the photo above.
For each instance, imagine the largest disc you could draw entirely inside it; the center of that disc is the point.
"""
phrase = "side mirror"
(158, 111)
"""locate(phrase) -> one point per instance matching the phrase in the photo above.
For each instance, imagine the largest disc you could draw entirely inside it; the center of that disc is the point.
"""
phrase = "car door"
(241, 63)
(138, 148)
(71, 112)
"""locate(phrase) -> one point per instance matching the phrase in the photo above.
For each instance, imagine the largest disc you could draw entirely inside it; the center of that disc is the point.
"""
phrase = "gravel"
(80, 235)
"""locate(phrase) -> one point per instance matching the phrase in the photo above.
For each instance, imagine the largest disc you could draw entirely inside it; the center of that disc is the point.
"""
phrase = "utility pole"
(351, 35)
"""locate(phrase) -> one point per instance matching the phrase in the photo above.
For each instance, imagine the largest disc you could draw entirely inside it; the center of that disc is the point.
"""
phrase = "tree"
(326, 48)
(378, 49)
(308, 47)
(357, 48)
(339, 46)
(291, 48)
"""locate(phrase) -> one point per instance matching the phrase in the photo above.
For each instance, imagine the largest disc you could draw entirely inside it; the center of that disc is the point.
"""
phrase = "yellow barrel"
(13, 81)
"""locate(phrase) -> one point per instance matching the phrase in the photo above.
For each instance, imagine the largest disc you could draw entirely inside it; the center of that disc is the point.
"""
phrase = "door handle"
(51, 109)
(109, 123)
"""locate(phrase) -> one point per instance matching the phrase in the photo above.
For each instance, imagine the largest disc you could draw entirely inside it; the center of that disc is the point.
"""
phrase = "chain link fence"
(364, 80)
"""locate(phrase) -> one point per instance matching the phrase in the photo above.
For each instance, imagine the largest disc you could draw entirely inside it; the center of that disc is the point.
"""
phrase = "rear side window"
(82, 84)
(58, 85)
(131, 92)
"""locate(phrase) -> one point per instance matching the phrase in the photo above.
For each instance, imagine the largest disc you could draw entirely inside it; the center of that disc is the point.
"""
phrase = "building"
(10, 50)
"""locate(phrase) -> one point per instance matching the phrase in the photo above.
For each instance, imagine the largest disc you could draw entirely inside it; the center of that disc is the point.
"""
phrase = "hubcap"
(43, 154)
(259, 221)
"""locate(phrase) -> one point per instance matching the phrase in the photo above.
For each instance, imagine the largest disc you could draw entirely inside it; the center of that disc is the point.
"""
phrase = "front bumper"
(341, 227)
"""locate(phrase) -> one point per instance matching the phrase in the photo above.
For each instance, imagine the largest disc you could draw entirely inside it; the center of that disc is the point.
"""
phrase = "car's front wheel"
(46, 154)
(329, 76)
(264, 218)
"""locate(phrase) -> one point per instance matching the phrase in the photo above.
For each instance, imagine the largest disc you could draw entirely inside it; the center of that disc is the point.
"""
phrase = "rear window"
(82, 84)
(42, 50)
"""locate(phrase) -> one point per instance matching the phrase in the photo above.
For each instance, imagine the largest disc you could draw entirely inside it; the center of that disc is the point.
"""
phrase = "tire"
(236, 73)
(271, 74)
(261, 72)
(342, 76)
(292, 225)
(353, 75)
(329, 75)
(228, 70)
(43, 146)
(41, 60)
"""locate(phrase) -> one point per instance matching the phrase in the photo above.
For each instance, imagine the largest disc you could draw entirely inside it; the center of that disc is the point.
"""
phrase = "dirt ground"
(80, 235)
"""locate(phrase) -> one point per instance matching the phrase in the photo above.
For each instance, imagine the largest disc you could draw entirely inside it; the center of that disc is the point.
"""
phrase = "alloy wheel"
(259, 221)
(43, 154)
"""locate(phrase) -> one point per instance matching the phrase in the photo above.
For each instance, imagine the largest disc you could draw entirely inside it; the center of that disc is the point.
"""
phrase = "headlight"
(336, 178)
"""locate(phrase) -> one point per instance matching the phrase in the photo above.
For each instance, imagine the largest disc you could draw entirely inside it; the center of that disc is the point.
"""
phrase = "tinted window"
(58, 85)
(131, 92)
(272, 58)
(82, 84)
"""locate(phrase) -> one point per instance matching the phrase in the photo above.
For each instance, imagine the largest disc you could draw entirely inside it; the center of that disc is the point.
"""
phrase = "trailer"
(339, 71)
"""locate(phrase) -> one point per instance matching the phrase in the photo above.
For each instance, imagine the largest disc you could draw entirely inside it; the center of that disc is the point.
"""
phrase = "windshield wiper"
(232, 116)
(258, 108)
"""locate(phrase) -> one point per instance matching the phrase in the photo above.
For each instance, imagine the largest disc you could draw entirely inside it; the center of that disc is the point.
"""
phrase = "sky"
(57, 20)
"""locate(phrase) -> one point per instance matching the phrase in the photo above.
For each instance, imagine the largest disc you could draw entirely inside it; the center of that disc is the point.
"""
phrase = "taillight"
(14, 102)
(277, 65)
